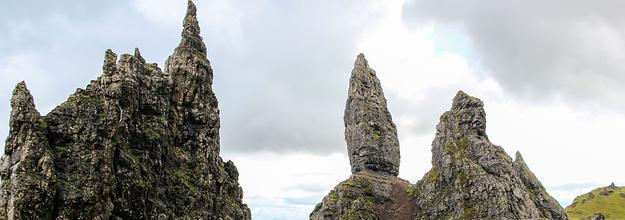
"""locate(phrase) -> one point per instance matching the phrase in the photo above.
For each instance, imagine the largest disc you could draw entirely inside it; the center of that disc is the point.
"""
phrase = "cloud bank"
(541, 49)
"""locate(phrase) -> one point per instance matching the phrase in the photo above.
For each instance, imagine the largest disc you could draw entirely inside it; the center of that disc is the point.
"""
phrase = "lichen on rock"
(373, 191)
(370, 133)
(136, 143)
(472, 178)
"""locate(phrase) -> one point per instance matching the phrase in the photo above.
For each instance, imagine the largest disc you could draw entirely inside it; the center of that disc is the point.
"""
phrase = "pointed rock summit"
(472, 178)
(136, 143)
(371, 135)
(373, 191)
(191, 39)
(26, 167)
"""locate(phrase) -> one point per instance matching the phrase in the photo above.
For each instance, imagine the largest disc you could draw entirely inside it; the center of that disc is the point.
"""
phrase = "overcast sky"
(551, 74)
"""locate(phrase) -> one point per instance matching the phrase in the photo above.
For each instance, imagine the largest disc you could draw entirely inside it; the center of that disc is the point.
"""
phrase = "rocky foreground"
(470, 178)
(137, 143)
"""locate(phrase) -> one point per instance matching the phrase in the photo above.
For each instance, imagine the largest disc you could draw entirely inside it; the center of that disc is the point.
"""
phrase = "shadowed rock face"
(473, 179)
(370, 133)
(136, 143)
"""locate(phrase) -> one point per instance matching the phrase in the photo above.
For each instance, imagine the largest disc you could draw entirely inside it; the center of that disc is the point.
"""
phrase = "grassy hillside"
(609, 200)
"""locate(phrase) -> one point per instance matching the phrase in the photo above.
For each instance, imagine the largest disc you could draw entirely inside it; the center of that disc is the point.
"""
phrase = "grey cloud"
(287, 89)
(538, 49)
(280, 75)
(58, 47)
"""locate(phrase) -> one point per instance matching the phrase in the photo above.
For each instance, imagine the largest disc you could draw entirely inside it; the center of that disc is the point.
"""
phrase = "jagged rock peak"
(370, 133)
(466, 114)
(110, 62)
(518, 158)
(191, 38)
(134, 144)
(26, 167)
(138, 56)
(462, 100)
(471, 178)
(361, 61)
(23, 106)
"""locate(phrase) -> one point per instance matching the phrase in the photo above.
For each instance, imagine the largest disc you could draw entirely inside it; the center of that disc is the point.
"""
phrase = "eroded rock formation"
(370, 133)
(136, 143)
(373, 191)
(472, 178)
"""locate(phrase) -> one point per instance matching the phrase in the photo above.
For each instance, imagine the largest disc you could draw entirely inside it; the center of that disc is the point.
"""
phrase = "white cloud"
(287, 186)
(162, 11)
(539, 49)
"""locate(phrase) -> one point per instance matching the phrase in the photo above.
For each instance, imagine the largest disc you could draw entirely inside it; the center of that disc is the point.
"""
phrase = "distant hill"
(609, 201)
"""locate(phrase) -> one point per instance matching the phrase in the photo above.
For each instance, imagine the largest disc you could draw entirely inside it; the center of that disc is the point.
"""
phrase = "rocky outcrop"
(370, 133)
(26, 168)
(136, 143)
(606, 202)
(373, 191)
(472, 178)
(367, 195)
(546, 204)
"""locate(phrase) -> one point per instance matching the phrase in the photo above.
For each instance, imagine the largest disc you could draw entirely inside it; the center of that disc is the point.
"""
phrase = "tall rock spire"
(191, 39)
(192, 78)
(373, 191)
(191, 30)
(471, 178)
(26, 167)
(23, 106)
(370, 133)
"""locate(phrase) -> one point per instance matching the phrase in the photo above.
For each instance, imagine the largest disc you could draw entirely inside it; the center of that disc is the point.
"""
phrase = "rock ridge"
(136, 143)
(471, 178)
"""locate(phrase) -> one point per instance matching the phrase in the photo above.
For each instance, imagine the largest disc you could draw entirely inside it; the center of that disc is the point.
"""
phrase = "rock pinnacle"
(471, 178)
(23, 106)
(191, 38)
(370, 133)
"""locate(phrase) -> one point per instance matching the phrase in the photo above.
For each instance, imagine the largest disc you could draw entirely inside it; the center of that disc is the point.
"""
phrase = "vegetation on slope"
(609, 201)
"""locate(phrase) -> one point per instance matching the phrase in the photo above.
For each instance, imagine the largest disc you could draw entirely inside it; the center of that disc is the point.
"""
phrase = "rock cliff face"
(472, 178)
(373, 191)
(137, 143)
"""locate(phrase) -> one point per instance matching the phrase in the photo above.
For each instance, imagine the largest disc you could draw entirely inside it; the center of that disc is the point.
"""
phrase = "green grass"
(611, 205)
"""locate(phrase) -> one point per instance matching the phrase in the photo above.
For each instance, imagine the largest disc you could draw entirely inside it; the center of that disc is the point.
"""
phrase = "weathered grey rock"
(473, 179)
(368, 195)
(547, 205)
(26, 167)
(597, 216)
(370, 133)
(373, 191)
(136, 143)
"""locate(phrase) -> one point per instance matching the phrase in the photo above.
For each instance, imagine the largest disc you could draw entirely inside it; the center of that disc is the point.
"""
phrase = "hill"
(609, 201)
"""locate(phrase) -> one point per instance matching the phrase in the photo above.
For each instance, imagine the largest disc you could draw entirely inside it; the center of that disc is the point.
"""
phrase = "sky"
(550, 74)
